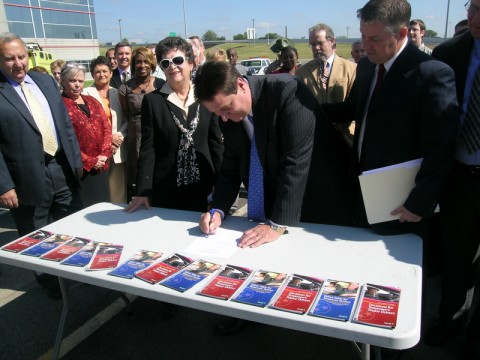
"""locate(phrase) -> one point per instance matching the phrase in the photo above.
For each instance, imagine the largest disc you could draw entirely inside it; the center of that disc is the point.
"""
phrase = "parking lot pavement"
(28, 324)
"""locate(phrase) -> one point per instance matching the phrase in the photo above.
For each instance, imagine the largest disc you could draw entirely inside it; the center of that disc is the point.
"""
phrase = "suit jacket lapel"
(10, 94)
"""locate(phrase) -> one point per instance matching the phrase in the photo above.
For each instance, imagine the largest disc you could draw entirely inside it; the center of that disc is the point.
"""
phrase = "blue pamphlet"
(191, 275)
(137, 262)
(261, 288)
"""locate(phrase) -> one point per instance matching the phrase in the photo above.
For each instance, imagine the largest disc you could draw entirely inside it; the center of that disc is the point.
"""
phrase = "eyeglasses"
(177, 61)
(471, 9)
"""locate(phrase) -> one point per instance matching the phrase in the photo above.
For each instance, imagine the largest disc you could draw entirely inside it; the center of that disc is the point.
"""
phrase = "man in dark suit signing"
(40, 161)
(461, 201)
(405, 106)
(278, 112)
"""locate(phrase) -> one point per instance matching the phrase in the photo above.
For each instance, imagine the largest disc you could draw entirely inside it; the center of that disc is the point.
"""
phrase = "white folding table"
(329, 252)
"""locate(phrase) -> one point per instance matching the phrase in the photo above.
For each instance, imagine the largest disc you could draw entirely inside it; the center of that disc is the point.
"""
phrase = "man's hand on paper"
(405, 215)
(137, 202)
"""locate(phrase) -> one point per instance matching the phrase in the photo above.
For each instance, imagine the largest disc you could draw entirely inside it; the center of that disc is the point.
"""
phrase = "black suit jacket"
(456, 53)
(284, 119)
(115, 81)
(157, 163)
(414, 115)
(21, 150)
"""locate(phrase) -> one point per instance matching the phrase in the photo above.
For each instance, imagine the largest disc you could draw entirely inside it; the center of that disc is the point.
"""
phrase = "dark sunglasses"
(177, 60)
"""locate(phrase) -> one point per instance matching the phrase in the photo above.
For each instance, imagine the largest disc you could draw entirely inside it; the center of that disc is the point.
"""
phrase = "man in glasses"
(328, 76)
(40, 161)
(123, 54)
(459, 206)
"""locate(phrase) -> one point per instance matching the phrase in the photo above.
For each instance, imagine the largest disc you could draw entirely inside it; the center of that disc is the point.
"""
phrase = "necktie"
(256, 209)
(470, 135)
(124, 77)
(380, 75)
(50, 145)
(324, 74)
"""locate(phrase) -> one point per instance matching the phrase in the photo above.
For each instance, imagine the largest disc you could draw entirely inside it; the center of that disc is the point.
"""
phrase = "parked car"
(256, 66)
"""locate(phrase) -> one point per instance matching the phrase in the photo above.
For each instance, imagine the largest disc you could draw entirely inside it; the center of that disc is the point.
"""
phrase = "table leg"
(365, 354)
(63, 318)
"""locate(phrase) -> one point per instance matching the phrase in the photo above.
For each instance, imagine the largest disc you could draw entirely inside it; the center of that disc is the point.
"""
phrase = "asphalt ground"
(100, 327)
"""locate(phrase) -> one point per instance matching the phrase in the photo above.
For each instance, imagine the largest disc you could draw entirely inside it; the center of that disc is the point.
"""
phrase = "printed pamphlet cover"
(82, 257)
(262, 287)
(163, 269)
(27, 241)
(336, 300)
(47, 245)
(298, 295)
(66, 249)
(378, 306)
(140, 260)
(191, 275)
(106, 257)
(226, 282)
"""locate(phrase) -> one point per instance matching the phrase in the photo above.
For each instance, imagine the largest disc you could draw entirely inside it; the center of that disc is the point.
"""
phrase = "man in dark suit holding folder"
(405, 108)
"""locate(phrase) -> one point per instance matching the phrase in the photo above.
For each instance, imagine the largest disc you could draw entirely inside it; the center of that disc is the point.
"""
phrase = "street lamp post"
(184, 19)
(120, 27)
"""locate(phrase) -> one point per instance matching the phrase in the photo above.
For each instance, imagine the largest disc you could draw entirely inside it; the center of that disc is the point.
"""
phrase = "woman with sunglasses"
(107, 95)
(181, 146)
(94, 134)
(131, 95)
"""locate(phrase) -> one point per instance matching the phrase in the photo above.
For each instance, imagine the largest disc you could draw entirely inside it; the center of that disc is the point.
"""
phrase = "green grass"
(245, 50)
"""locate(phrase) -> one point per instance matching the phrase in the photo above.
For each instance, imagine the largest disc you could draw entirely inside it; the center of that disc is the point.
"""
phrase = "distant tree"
(239, 37)
(221, 38)
(210, 35)
(430, 34)
(271, 36)
(125, 39)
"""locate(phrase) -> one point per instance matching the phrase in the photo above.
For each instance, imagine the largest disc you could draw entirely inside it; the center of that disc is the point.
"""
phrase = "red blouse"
(94, 133)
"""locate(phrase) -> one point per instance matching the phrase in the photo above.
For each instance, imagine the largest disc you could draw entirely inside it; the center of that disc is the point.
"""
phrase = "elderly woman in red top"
(93, 131)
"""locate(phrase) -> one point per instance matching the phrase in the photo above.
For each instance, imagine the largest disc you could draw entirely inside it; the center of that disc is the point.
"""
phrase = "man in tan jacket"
(328, 76)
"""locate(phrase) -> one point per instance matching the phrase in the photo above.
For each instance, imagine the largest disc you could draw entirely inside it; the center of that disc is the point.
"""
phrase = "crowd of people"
(167, 125)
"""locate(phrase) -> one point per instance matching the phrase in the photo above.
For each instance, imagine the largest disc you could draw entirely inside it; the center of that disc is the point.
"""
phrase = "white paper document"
(385, 189)
(221, 245)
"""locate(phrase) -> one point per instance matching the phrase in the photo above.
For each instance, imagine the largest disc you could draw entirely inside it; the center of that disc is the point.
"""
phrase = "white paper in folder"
(385, 189)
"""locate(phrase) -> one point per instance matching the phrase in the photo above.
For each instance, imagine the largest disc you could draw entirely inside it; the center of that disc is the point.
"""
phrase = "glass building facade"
(66, 29)
(65, 19)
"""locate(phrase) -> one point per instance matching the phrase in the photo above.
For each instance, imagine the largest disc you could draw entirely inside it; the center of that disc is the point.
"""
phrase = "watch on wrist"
(278, 229)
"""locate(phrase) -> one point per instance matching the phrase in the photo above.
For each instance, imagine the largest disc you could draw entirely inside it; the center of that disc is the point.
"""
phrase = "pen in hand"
(212, 214)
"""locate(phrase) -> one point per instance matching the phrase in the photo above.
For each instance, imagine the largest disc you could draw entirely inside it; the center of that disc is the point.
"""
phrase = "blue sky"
(151, 21)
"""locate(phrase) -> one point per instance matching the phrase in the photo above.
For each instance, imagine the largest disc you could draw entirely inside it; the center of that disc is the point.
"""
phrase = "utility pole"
(446, 21)
(120, 27)
(184, 19)
(253, 21)
(348, 28)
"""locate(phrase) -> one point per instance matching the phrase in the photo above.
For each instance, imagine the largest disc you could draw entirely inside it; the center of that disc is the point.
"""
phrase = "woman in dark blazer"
(181, 147)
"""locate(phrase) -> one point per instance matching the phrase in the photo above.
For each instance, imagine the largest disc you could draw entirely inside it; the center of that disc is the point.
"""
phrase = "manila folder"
(386, 189)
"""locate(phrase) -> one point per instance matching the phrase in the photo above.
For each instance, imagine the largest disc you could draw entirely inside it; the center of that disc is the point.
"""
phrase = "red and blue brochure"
(27, 241)
(137, 262)
(336, 300)
(65, 250)
(82, 257)
(261, 288)
(47, 245)
(106, 257)
(378, 306)
(298, 295)
(191, 275)
(226, 282)
(163, 269)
